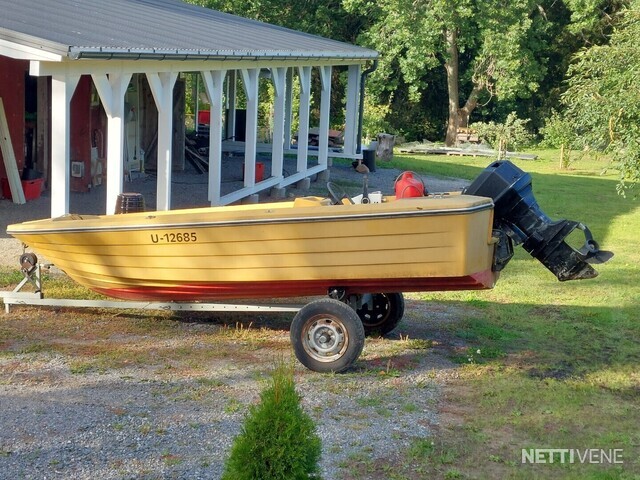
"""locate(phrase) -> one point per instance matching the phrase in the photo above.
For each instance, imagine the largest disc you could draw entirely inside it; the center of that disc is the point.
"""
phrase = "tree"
(319, 17)
(483, 48)
(512, 133)
(278, 440)
(603, 98)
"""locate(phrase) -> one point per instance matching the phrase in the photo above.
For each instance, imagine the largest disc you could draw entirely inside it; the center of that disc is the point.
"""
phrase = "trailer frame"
(33, 276)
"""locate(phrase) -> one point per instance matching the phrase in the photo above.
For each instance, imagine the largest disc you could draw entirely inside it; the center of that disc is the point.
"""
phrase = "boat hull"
(275, 250)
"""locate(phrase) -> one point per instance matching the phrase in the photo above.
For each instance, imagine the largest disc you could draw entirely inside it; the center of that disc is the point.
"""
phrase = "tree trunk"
(452, 68)
(465, 112)
(458, 117)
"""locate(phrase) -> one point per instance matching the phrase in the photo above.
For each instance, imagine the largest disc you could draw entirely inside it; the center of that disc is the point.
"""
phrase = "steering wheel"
(337, 194)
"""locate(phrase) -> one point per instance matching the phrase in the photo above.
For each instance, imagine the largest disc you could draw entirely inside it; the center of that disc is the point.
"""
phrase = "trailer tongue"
(519, 220)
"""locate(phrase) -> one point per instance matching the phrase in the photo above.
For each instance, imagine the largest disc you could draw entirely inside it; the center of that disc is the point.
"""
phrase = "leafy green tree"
(319, 17)
(482, 47)
(603, 98)
(558, 133)
(278, 439)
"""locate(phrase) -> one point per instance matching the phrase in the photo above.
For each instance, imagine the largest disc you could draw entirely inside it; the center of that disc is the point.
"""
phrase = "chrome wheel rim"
(325, 338)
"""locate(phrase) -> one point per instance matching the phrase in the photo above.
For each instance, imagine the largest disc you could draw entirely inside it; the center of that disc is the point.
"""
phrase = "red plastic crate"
(32, 188)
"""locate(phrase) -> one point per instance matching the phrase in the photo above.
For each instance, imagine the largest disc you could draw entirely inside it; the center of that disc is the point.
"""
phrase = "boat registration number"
(170, 237)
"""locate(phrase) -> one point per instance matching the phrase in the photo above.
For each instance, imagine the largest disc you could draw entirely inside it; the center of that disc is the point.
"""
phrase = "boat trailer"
(32, 272)
(327, 334)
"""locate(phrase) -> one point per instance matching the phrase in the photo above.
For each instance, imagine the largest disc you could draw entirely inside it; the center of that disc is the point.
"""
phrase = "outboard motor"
(519, 219)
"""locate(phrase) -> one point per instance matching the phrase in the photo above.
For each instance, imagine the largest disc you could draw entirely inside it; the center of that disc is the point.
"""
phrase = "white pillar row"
(351, 117)
(214, 83)
(231, 104)
(250, 81)
(112, 89)
(278, 77)
(304, 74)
(288, 108)
(62, 88)
(325, 115)
(161, 85)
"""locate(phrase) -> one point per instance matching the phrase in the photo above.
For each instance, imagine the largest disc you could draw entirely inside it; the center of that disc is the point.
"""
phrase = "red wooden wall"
(12, 92)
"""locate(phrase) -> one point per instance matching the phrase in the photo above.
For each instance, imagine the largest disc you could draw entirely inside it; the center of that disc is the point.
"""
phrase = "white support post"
(304, 74)
(325, 114)
(214, 82)
(112, 90)
(231, 104)
(288, 108)
(351, 117)
(250, 81)
(278, 76)
(62, 88)
(161, 85)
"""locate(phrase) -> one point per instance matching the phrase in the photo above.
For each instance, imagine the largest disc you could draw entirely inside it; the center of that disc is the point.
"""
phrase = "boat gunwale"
(250, 221)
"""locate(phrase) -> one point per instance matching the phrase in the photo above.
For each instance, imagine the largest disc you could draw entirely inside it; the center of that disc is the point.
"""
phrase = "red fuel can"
(407, 185)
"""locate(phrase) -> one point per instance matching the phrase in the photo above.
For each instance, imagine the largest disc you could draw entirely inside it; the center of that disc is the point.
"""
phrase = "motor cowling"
(518, 215)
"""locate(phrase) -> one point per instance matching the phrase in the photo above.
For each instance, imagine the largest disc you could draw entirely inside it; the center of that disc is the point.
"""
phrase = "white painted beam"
(161, 85)
(62, 88)
(214, 83)
(304, 75)
(250, 81)
(325, 116)
(112, 90)
(352, 107)
(23, 52)
(279, 79)
(41, 68)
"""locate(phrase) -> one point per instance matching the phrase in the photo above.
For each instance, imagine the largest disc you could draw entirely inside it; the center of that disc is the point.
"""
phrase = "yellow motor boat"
(361, 254)
(302, 247)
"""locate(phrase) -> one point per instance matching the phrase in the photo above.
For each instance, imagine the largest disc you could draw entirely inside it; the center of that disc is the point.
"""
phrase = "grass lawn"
(548, 364)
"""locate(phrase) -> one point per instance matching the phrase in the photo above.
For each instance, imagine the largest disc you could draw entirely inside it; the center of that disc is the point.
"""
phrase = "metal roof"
(157, 29)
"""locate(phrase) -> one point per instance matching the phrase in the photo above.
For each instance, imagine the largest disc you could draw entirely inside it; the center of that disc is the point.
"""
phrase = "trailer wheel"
(327, 336)
(383, 315)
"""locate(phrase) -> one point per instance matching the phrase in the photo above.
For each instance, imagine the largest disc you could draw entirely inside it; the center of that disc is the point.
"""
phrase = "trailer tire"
(327, 336)
(387, 311)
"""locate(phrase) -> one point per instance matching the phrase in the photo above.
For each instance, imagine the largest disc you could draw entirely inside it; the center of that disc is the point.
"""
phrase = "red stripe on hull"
(248, 290)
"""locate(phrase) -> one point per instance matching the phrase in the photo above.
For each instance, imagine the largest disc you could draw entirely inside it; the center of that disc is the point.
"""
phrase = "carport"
(112, 41)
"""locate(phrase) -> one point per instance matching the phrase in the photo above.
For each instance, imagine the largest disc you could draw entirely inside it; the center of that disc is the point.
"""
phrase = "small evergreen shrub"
(278, 440)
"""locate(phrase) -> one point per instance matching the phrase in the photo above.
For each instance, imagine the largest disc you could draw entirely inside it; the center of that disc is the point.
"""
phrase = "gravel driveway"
(167, 405)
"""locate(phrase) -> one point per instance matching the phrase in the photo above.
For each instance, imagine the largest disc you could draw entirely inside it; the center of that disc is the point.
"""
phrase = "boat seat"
(311, 202)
